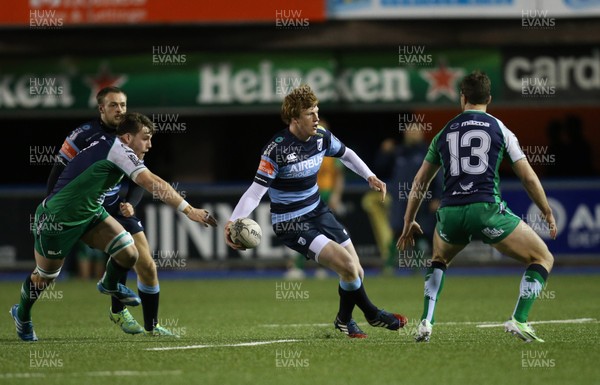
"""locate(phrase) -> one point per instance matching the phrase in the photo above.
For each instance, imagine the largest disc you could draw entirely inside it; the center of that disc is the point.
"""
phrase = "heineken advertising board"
(405, 76)
(167, 77)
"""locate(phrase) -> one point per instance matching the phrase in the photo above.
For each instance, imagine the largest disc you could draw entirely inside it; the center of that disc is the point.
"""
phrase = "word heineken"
(221, 84)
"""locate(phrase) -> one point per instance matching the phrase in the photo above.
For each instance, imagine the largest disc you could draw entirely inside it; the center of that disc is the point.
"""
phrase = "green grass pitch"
(228, 318)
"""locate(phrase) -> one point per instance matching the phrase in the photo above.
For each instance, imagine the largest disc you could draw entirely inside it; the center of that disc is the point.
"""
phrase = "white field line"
(295, 325)
(559, 321)
(479, 324)
(256, 343)
(103, 373)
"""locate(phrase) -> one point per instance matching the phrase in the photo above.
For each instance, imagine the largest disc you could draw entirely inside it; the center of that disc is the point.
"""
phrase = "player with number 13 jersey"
(474, 142)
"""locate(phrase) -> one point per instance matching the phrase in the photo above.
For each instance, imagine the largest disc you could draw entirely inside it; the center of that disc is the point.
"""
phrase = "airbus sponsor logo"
(307, 164)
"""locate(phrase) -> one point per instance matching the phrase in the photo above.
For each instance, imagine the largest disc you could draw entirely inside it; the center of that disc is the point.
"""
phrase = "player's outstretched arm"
(351, 160)
(534, 189)
(159, 187)
(418, 191)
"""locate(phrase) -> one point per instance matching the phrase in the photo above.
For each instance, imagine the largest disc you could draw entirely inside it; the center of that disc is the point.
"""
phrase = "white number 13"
(480, 152)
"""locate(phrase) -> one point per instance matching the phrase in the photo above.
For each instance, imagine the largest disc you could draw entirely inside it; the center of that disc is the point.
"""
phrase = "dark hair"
(133, 122)
(476, 87)
(299, 99)
(108, 90)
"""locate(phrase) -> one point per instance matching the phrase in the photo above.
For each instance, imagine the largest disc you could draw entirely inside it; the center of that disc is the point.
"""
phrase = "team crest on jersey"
(454, 126)
(320, 144)
(290, 158)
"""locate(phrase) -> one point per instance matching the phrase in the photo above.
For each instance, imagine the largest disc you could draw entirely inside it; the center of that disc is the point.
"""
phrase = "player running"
(112, 105)
(469, 149)
(74, 211)
(288, 171)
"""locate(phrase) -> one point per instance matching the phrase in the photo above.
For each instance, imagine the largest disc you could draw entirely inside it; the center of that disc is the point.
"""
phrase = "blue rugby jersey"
(289, 167)
(470, 149)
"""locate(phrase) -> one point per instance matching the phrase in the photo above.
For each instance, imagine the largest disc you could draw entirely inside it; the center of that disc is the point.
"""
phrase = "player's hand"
(407, 238)
(126, 209)
(551, 225)
(378, 185)
(202, 216)
(228, 240)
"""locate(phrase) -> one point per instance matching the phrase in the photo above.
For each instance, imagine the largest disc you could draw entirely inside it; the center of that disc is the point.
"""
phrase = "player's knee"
(128, 256)
(123, 249)
(348, 267)
(546, 259)
(145, 268)
(361, 273)
(438, 258)
(43, 277)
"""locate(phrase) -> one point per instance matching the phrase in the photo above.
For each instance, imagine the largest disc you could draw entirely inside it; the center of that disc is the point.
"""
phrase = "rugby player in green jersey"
(469, 150)
(74, 211)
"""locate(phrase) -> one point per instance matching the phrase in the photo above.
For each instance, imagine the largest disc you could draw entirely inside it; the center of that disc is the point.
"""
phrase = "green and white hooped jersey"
(81, 187)
(470, 149)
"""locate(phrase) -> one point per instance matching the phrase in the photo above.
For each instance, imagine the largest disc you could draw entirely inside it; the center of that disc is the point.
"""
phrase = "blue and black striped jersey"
(289, 167)
(470, 149)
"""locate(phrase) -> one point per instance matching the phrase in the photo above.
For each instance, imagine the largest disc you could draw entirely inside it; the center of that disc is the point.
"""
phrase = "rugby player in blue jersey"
(112, 105)
(288, 172)
(74, 210)
(469, 150)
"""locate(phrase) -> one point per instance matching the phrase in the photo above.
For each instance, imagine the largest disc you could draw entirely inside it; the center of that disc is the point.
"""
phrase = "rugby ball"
(245, 232)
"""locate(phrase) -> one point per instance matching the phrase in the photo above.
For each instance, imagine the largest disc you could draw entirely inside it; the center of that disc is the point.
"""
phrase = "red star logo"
(104, 78)
(442, 81)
